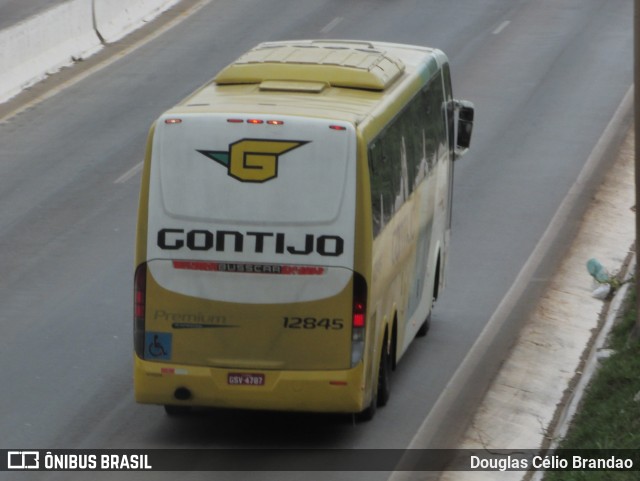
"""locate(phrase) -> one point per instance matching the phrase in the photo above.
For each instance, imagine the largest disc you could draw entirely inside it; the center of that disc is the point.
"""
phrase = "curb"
(613, 312)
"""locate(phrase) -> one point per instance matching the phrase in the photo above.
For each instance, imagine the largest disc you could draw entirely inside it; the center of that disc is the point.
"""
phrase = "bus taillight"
(359, 316)
(139, 308)
(359, 313)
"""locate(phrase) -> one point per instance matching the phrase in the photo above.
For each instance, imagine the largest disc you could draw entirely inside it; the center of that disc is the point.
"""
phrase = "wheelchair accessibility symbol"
(158, 345)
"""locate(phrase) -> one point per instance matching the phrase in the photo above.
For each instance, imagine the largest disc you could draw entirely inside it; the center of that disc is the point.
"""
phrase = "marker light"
(339, 383)
(256, 121)
(173, 121)
(337, 127)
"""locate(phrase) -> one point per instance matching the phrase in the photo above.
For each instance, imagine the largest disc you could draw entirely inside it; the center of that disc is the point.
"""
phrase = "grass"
(609, 417)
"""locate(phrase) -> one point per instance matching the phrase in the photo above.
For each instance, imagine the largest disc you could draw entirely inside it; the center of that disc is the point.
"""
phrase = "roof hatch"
(336, 63)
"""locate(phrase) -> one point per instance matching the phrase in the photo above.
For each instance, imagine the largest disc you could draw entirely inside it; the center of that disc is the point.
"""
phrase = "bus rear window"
(212, 171)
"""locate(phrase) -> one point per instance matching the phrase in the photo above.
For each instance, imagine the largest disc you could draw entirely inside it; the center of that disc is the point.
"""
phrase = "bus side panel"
(363, 264)
(439, 192)
(409, 163)
(143, 204)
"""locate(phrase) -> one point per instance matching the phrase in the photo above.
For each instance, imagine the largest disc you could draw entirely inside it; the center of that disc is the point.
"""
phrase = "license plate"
(245, 379)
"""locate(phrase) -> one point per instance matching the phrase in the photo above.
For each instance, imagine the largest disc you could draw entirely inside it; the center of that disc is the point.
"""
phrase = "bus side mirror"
(465, 111)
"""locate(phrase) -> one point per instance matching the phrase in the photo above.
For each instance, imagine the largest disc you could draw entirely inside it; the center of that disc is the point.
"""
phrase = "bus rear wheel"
(384, 376)
(381, 397)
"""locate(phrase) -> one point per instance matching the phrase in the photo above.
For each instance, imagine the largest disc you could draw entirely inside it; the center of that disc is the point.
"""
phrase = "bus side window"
(448, 98)
(406, 152)
(435, 122)
(381, 172)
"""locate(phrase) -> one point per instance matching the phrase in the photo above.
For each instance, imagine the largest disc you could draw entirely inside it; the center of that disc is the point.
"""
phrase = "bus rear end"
(245, 293)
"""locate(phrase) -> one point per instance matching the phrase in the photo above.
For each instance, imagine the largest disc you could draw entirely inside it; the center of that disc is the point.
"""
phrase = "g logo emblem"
(253, 160)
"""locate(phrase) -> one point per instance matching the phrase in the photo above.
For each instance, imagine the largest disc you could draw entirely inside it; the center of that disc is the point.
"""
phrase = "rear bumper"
(311, 391)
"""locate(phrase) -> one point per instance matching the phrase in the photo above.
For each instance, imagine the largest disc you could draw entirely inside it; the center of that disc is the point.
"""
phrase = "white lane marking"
(501, 27)
(332, 24)
(129, 174)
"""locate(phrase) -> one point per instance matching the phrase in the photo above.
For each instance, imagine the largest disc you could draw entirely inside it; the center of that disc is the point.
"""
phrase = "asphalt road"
(546, 77)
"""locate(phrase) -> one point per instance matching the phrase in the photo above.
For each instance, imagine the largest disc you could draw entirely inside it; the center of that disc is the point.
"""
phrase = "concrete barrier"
(44, 43)
(116, 18)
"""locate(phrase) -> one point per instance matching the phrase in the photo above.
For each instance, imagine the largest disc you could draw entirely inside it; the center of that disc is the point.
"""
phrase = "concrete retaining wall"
(73, 30)
(44, 43)
(116, 18)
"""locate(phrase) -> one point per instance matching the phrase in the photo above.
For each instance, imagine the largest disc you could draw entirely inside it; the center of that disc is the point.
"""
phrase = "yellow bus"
(293, 227)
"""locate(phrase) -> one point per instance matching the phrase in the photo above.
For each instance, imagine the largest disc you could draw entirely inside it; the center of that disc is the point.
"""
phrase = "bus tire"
(383, 389)
(384, 376)
(424, 328)
(369, 412)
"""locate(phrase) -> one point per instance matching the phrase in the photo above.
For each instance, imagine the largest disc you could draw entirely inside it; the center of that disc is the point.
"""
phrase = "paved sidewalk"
(536, 383)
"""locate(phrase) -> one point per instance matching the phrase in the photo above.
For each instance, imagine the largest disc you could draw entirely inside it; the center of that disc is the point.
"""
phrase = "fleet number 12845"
(313, 323)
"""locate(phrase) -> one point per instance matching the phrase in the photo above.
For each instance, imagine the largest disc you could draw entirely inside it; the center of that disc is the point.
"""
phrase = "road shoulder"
(528, 399)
